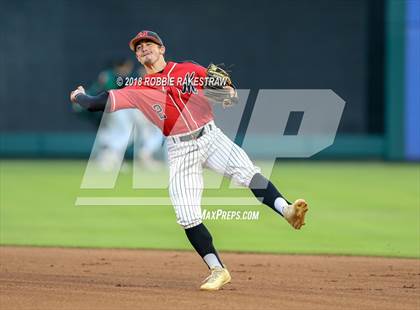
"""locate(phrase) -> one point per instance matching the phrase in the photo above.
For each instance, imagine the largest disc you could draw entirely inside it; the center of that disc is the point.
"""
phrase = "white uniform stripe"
(188, 188)
(112, 101)
(185, 107)
(180, 113)
(169, 72)
(174, 102)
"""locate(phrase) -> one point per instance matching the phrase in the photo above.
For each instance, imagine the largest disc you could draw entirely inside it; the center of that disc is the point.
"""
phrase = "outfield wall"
(365, 51)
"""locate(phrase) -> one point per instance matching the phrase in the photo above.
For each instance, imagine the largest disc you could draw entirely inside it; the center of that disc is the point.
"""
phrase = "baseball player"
(177, 98)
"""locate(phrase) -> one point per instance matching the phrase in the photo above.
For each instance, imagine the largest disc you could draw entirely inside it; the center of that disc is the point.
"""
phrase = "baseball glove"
(217, 77)
(219, 87)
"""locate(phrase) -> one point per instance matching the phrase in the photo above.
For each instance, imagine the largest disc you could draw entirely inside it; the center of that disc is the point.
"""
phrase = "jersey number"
(158, 109)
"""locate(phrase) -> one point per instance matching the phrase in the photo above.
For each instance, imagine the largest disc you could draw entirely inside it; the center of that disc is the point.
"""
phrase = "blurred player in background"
(120, 130)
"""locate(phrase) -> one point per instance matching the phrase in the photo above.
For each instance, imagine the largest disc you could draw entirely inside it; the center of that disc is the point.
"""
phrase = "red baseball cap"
(145, 35)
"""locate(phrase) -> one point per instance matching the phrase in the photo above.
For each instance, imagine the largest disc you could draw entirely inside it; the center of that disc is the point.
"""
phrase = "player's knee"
(244, 177)
(189, 223)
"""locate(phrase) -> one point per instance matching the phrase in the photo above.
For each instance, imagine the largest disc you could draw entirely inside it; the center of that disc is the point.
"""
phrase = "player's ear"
(162, 50)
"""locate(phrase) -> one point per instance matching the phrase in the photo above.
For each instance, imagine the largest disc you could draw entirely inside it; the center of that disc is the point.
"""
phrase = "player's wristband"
(93, 103)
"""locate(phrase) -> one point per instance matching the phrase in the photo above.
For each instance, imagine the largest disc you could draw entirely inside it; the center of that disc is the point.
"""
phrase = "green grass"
(356, 208)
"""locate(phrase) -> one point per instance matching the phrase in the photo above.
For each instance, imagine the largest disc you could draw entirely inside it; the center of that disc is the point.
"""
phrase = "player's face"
(148, 52)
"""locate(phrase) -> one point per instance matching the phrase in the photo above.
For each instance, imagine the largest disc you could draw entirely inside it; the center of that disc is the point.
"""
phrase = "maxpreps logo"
(228, 215)
(295, 123)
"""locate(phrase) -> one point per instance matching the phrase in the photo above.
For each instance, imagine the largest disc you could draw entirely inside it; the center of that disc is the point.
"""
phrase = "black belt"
(195, 135)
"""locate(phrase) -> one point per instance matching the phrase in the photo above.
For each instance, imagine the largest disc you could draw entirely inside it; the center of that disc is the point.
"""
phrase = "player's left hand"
(233, 94)
(220, 93)
(226, 96)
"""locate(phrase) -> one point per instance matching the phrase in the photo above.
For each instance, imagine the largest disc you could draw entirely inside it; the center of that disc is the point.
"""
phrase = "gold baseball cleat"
(295, 213)
(219, 276)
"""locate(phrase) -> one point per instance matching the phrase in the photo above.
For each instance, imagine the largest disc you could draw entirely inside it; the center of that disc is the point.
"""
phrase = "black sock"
(202, 241)
(265, 191)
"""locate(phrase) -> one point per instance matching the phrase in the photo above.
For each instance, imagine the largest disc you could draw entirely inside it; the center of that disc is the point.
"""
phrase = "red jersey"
(172, 99)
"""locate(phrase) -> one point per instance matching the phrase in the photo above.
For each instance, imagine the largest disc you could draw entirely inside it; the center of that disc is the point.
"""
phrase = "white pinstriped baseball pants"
(214, 150)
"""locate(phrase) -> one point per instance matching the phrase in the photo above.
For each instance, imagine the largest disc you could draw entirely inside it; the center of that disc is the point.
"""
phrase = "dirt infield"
(55, 278)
